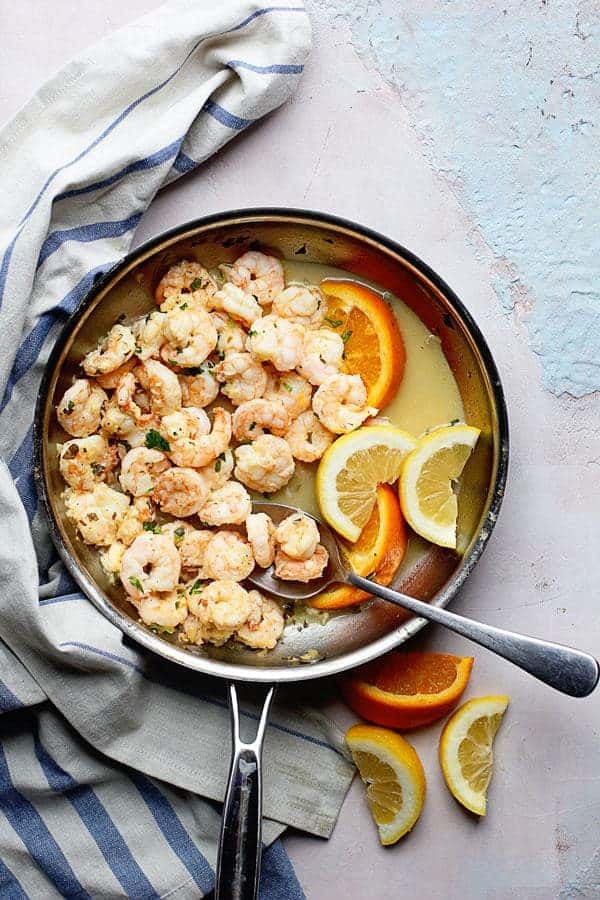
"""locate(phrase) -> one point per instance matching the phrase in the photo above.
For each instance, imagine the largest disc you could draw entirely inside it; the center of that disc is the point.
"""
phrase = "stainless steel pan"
(346, 640)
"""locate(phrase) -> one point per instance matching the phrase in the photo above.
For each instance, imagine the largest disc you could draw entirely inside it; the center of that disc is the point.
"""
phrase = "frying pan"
(346, 640)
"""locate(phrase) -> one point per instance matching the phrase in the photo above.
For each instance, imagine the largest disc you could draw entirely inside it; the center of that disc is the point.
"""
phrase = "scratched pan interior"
(350, 638)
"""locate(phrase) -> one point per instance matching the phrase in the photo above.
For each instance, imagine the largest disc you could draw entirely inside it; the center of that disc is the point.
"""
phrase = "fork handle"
(567, 670)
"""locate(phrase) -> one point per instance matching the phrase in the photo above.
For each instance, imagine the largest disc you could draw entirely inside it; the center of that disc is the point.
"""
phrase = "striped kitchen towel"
(112, 762)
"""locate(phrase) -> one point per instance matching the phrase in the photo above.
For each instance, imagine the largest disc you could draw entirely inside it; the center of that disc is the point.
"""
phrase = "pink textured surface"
(345, 144)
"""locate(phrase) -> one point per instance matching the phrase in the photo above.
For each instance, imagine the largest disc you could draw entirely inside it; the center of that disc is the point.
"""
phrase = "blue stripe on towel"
(85, 234)
(10, 888)
(184, 163)
(24, 818)
(8, 701)
(277, 877)
(226, 118)
(21, 469)
(173, 831)
(274, 69)
(141, 165)
(101, 827)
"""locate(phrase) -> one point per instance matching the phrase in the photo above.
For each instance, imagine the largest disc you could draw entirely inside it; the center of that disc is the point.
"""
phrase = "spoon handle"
(571, 671)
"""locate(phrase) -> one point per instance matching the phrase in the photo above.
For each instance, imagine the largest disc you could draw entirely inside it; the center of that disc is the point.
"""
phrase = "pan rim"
(294, 671)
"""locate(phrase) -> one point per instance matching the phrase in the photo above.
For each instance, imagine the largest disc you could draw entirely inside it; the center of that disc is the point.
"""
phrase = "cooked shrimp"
(265, 465)
(261, 535)
(322, 355)
(191, 336)
(200, 389)
(111, 379)
(291, 389)
(228, 556)
(197, 633)
(230, 335)
(80, 409)
(276, 340)
(121, 425)
(258, 274)
(237, 304)
(140, 468)
(132, 400)
(307, 438)
(149, 335)
(186, 278)
(166, 609)
(189, 443)
(151, 564)
(301, 303)
(251, 417)
(219, 472)
(132, 523)
(341, 403)
(97, 513)
(176, 531)
(192, 550)
(228, 505)
(181, 430)
(85, 461)
(162, 386)
(181, 491)
(289, 569)
(264, 625)
(298, 536)
(117, 347)
(244, 378)
(112, 559)
(223, 604)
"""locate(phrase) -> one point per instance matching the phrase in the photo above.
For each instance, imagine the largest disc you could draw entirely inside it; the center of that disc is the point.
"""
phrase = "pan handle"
(239, 856)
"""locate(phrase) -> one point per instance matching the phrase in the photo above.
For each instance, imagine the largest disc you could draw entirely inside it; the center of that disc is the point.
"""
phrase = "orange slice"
(407, 690)
(374, 348)
(379, 549)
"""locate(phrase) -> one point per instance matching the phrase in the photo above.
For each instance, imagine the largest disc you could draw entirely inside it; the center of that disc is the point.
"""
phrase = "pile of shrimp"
(161, 486)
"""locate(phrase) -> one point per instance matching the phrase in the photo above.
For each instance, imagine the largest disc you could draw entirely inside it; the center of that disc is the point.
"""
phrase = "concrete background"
(468, 133)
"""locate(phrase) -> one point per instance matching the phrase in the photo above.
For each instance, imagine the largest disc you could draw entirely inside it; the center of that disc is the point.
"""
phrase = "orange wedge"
(379, 549)
(407, 690)
(374, 348)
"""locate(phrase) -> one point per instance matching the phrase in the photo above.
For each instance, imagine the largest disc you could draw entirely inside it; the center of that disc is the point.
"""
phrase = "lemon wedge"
(427, 493)
(394, 776)
(466, 755)
(351, 469)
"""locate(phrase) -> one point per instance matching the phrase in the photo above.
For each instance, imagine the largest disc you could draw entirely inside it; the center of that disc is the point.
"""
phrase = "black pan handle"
(239, 856)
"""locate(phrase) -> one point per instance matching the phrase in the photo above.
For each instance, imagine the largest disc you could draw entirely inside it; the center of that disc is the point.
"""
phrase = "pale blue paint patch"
(505, 98)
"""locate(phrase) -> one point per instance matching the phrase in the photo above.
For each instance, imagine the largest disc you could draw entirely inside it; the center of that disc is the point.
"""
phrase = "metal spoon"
(571, 671)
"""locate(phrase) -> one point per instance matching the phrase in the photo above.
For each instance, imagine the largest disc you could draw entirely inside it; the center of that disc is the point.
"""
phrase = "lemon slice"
(466, 755)
(350, 471)
(394, 776)
(427, 492)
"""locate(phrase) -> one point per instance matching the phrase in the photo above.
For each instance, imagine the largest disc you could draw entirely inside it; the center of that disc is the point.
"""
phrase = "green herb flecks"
(154, 527)
(137, 584)
(155, 441)
(335, 323)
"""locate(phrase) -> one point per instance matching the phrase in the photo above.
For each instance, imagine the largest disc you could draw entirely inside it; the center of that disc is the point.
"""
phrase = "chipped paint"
(505, 100)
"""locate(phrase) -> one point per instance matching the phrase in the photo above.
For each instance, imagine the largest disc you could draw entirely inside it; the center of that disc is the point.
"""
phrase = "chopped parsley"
(173, 362)
(196, 588)
(155, 441)
(137, 584)
(346, 336)
(154, 527)
(137, 349)
(218, 465)
(252, 332)
(335, 323)
(196, 284)
(70, 406)
(251, 426)
(161, 629)
(183, 306)
(455, 421)
(287, 387)
(97, 468)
